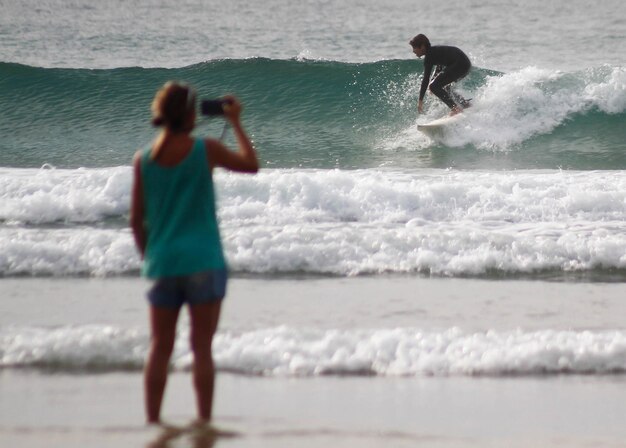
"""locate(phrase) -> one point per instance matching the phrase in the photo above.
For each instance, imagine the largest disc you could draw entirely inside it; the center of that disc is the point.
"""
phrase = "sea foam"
(512, 108)
(287, 351)
(333, 222)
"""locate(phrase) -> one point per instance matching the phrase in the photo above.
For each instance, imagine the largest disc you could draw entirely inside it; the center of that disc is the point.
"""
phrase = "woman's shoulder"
(211, 145)
(141, 154)
(209, 142)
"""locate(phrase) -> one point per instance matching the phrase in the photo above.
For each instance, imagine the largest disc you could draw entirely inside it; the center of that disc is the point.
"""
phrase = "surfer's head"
(174, 107)
(420, 44)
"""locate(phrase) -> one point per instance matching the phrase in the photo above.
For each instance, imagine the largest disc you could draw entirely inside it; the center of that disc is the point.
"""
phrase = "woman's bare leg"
(204, 319)
(163, 335)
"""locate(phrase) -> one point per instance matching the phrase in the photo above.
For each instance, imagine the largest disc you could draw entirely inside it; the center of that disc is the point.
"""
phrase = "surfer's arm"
(428, 67)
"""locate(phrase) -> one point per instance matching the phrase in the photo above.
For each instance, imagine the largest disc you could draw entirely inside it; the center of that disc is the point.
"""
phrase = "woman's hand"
(232, 109)
(245, 158)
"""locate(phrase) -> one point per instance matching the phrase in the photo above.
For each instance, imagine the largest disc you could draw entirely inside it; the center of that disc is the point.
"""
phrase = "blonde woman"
(175, 228)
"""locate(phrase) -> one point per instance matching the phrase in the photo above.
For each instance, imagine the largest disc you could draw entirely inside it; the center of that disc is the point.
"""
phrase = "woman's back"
(179, 201)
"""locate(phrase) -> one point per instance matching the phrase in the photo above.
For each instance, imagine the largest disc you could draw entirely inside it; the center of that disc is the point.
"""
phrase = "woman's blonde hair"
(172, 105)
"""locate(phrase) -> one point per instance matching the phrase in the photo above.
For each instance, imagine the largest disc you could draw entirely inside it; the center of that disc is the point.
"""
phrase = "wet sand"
(45, 410)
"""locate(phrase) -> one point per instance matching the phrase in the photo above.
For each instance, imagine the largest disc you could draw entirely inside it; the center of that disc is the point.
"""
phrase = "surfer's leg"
(440, 87)
(443, 90)
(458, 99)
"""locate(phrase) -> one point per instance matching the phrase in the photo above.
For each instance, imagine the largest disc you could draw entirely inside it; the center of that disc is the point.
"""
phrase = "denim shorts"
(201, 287)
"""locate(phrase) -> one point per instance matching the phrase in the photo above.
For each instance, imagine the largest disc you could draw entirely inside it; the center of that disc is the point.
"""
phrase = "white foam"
(334, 222)
(407, 351)
(289, 351)
(76, 251)
(49, 195)
(84, 347)
(513, 107)
(608, 92)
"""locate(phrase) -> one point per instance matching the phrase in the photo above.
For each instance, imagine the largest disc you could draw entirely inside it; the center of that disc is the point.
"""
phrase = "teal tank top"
(182, 235)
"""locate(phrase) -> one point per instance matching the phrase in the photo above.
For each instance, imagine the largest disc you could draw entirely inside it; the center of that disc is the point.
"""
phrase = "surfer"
(452, 65)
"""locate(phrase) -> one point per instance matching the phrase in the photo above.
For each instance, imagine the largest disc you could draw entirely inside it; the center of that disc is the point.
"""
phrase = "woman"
(175, 228)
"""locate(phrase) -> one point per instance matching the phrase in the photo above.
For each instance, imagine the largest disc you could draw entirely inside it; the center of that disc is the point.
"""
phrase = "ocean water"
(531, 185)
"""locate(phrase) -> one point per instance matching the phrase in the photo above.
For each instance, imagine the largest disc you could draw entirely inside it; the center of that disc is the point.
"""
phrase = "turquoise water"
(323, 114)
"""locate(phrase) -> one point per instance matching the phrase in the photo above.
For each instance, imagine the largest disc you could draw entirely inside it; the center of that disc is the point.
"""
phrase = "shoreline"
(106, 410)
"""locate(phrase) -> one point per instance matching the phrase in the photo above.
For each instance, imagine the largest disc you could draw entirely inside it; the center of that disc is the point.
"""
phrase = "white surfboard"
(437, 128)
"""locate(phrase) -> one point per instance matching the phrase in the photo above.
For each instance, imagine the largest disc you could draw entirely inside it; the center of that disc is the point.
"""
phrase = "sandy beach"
(106, 411)
(44, 407)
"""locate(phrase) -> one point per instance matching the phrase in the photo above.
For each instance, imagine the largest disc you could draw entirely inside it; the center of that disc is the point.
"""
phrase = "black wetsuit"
(456, 65)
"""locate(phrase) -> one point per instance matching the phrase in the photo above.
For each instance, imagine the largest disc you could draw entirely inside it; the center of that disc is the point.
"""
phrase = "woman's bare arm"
(245, 158)
(136, 207)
